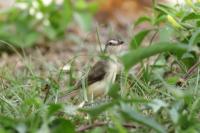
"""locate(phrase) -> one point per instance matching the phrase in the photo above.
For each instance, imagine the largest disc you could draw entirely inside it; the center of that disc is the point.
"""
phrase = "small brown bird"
(102, 74)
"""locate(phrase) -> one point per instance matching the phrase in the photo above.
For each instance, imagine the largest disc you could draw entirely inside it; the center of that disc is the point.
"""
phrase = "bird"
(102, 74)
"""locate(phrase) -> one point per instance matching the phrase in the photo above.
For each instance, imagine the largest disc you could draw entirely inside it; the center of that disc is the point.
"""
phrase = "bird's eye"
(114, 42)
(110, 43)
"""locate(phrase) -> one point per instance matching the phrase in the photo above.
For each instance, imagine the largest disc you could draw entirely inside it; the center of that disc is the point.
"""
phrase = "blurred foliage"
(148, 101)
(177, 26)
(30, 22)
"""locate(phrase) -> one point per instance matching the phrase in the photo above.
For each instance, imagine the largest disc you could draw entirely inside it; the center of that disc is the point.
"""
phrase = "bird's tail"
(69, 95)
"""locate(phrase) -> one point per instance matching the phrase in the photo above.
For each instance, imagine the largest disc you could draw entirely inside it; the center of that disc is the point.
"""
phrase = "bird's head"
(113, 46)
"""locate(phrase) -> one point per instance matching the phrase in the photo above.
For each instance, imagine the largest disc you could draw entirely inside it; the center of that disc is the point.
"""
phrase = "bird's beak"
(121, 42)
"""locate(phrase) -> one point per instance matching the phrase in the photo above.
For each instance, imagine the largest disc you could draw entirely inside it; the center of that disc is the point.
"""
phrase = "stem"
(100, 124)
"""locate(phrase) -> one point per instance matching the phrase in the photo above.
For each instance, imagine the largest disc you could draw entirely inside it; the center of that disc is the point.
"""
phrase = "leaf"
(190, 16)
(84, 19)
(67, 12)
(131, 114)
(50, 32)
(194, 108)
(53, 108)
(82, 5)
(195, 38)
(142, 20)
(174, 22)
(95, 111)
(187, 56)
(159, 19)
(114, 91)
(157, 104)
(30, 39)
(7, 122)
(59, 20)
(174, 115)
(163, 8)
(172, 80)
(138, 38)
(134, 56)
(118, 124)
(174, 111)
(92, 7)
(62, 125)
(135, 100)
(166, 33)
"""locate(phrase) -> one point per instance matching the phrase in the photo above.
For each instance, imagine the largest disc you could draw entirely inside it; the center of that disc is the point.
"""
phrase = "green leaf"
(174, 111)
(114, 91)
(138, 38)
(172, 80)
(95, 111)
(134, 56)
(53, 108)
(130, 114)
(166, 33)
(190, 16)
(194, 108)
(80, 5)
(165, 9)
(157, 104)
(62, 125)
(2, 130)
(118, 124)
(59, 19)
(187, 56)
(93, 6)
(50, 32)
(174, 114)
(195, 38)
(142, 20)
(7, 122)
(30, 39)
(84, 19)
(159, 19)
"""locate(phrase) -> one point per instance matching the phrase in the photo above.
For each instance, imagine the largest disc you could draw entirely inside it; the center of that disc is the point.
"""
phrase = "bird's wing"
(97, 72)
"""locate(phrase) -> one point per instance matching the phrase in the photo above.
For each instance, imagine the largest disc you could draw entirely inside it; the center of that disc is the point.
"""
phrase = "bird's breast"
(101, 87)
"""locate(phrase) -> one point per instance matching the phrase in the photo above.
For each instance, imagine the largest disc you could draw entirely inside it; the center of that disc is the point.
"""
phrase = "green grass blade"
(134, 56)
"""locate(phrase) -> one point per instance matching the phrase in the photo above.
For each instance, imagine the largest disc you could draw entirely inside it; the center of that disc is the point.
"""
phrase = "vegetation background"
(45, 47)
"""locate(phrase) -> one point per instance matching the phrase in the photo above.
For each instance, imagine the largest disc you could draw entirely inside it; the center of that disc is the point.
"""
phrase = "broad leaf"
(134, 56)
(53, 108)
(195, 38)
(190, 16)
(166, 33)
(131, 114)
(114, 91)
(142, 20)
(62, 125)
(138, 38)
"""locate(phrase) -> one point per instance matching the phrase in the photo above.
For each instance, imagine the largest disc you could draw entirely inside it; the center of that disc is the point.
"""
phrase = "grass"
(160, 95)
(158, 106)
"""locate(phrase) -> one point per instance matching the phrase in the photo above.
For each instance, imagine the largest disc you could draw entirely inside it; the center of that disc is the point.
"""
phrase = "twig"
(46, 89)
(153, 37)
(100, 124)
(191, 70)
(183, 79)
